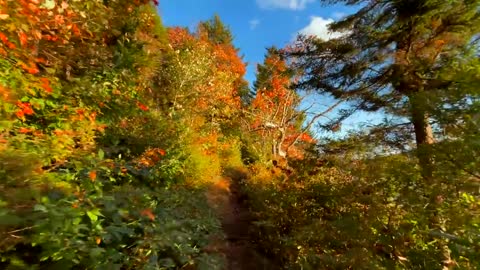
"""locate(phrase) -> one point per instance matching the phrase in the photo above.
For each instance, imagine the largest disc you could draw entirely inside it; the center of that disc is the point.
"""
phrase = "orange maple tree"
(274, 107)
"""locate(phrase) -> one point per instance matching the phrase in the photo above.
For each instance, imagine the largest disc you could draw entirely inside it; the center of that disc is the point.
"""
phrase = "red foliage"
(25, 108)
(32, 68)
(76, 31)
(6, 41)
(46, 85)
(3, 38)
(142, 107)
(179, 37)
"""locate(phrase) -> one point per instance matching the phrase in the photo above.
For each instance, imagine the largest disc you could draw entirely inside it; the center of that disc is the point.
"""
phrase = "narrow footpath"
(226, 198)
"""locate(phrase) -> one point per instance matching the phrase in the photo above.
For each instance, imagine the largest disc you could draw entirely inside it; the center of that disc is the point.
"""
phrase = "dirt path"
(226, 198)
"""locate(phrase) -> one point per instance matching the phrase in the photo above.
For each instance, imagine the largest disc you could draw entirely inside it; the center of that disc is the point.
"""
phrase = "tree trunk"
(281, 140)
(423, 137)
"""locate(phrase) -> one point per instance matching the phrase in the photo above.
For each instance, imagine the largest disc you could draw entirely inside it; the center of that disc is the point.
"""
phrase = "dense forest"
(125, 144)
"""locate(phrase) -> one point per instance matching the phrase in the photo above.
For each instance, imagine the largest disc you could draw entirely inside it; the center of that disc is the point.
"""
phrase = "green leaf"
(93, 214)
(76, 221)
(39, 207)
(94, 252)
(49, 4)
(40, 102)
(50, 70)
(101, 154)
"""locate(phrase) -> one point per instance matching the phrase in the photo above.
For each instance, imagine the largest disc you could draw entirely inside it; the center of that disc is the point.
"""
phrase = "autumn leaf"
(3, 38)
(20, 114)
(46, 85)
(142, 106)
(148, 213)
(24, 130)
(25, 109)
(23, 38)
(93, 175)
(32, 68)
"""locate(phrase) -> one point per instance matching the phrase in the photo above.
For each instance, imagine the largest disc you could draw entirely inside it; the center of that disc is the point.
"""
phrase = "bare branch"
(312, 121)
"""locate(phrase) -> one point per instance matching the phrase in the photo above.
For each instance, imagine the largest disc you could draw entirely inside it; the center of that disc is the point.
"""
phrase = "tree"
(216, 31)
(200, 76)
(218, 34)
(390, 58)
(274, 107)
(400, 57)
(274, 103)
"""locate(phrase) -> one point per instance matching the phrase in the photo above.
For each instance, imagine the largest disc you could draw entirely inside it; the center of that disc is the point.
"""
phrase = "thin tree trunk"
(423, 137)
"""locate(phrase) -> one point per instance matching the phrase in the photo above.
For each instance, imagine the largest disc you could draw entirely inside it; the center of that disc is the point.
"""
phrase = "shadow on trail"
(226, 197)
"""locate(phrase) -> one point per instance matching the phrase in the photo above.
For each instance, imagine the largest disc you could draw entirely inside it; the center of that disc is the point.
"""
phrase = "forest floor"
(226, 197)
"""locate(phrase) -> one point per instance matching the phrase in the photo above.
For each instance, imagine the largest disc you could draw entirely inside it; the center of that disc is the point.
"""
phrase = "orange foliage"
(24, 130)
(217, 91)
(31, 68)
(25, 108)
(274, 91)
(45, 83)
(179, 37)
(93, 176)
(5, 93)
(307, 138)
(23, 38)
(148, 213)
(274, 104)
(151, 157)
(228, 59)
(142, 107)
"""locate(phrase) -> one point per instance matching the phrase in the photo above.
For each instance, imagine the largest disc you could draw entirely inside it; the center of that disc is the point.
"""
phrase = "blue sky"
(255, 24)
(258, 24)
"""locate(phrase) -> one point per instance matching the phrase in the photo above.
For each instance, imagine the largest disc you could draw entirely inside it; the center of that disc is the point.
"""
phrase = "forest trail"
(226, 198)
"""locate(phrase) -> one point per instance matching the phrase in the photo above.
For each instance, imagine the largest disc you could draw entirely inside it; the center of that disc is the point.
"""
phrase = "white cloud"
(338, 15)
(284, 4)
(318, 26)
(254, 23)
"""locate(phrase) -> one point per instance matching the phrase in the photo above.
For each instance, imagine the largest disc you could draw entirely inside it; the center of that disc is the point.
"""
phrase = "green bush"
(374, 217)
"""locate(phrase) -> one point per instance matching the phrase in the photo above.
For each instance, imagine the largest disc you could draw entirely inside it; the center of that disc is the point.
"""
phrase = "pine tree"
(216, 31)
(390, 58)
(396, 56)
